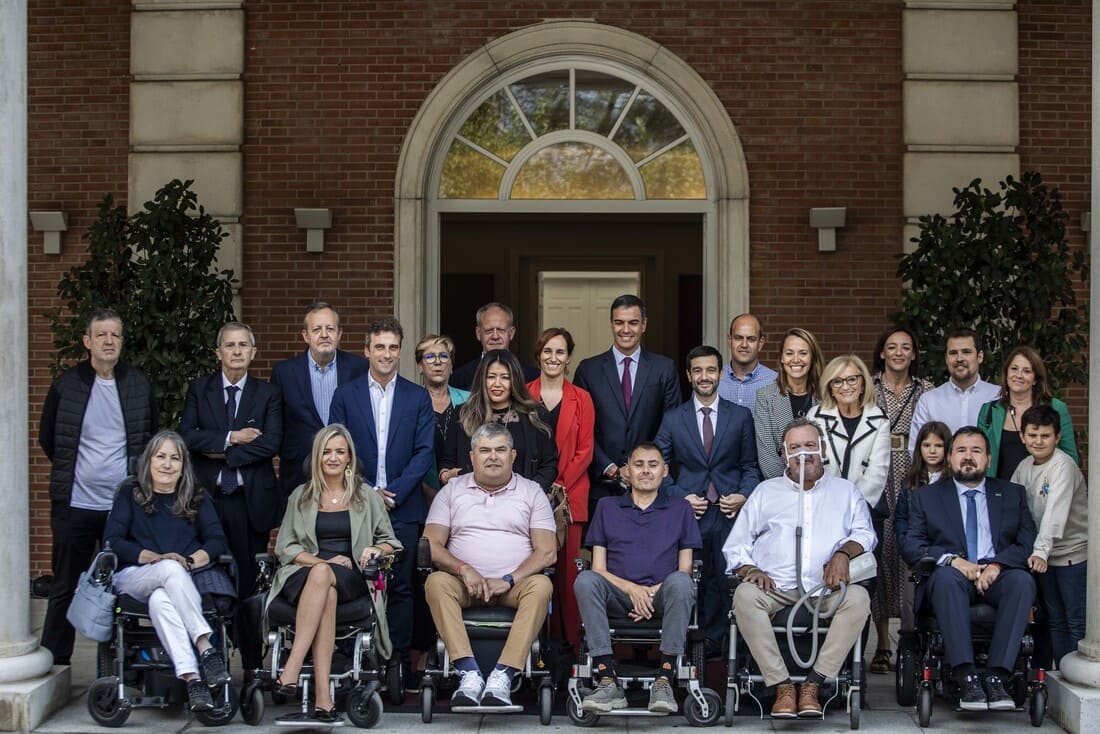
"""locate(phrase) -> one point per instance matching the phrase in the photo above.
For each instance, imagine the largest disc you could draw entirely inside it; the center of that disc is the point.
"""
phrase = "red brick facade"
(813, 88)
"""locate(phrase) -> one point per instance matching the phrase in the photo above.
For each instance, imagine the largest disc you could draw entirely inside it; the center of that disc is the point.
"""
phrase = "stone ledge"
(26, 704)
(1076, 708)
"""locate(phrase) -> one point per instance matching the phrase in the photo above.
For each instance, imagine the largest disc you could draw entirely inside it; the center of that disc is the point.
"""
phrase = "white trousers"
(175, 608)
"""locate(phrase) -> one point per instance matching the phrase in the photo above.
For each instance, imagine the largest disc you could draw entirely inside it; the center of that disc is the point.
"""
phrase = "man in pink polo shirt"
(491, 532)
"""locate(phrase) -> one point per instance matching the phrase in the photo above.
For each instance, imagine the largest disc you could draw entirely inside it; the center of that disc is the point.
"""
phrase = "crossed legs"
(314, 628)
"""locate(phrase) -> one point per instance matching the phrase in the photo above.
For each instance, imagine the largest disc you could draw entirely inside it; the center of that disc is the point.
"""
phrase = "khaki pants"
(447, 597)
(754, 609)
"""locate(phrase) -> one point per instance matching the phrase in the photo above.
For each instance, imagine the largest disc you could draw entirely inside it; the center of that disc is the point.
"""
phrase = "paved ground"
(880, 715)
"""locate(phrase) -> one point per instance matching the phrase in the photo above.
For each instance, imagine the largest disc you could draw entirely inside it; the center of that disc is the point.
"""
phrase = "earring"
(348, 471)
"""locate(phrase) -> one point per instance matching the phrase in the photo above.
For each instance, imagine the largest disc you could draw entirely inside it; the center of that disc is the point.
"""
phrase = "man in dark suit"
(495, 330)
(631, 389)
(233, 425)
(308, 382)
(980, 532)
(712, 443)
(393, 425)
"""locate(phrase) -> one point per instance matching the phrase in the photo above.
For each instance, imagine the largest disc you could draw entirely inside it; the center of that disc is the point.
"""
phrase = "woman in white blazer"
(857, 431)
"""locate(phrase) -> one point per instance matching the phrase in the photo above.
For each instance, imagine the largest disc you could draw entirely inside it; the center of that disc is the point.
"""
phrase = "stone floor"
(881, 713)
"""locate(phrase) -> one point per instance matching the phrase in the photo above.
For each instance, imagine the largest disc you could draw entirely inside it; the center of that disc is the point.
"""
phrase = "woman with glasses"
(435, 359)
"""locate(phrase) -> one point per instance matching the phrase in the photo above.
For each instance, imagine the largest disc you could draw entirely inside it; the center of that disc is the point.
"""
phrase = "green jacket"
(991, 418)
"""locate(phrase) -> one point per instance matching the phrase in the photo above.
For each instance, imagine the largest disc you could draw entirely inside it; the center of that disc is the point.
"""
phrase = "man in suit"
(631, 389)
(233, 425)
(494, 328)
(393, 425)
(980, 532)
(308, 382)
(713, 444)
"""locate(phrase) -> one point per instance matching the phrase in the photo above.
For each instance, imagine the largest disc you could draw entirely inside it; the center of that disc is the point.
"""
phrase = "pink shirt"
(491, 531)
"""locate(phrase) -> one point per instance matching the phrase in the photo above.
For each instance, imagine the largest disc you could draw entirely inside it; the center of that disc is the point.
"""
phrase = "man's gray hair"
(491, 305)
(491, 430)
(237, 326)
(800, 423)
(102, 314)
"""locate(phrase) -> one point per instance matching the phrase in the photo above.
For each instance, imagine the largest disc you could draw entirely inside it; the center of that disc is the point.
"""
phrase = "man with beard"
(745, 374)
(712, 443)
(761, 549)
(980, 532)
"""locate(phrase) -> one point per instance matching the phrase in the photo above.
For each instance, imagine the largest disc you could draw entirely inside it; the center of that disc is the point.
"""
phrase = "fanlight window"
(572, 134)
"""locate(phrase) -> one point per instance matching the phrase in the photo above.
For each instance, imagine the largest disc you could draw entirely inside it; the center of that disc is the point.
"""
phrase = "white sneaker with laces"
(469, 689)
(498, 689)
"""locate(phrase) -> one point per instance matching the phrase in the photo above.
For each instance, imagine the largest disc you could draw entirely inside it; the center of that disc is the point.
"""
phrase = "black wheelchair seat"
(629, 627)
(355, 613)
(982, 617)
(131, 607)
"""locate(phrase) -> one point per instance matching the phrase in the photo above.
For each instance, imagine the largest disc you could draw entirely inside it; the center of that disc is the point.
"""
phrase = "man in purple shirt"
(642, 545)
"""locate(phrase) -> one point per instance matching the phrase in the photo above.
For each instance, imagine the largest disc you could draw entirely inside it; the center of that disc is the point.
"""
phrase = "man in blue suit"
(308, 382)
(393, 426)
(712, 443)
(631, 389)
(980, 532)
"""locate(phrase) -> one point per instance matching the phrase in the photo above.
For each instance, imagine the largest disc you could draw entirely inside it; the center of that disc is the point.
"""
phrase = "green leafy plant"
(157, 269)
(1000, 265)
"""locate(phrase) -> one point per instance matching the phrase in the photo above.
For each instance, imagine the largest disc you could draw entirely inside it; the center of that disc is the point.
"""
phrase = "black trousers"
(244, 543)
(77, 535)
(399, 594)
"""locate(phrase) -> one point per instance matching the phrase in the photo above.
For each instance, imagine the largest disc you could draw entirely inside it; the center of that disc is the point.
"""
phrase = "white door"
(580, 302)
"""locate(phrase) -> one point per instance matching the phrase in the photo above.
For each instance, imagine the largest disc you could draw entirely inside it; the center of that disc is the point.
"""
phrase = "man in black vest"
(98, 416)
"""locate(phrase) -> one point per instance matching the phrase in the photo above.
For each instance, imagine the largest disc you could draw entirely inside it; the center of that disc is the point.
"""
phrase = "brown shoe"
(784, 706)
(808, 705)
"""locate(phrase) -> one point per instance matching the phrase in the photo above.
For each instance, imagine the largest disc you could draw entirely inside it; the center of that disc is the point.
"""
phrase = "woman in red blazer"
(572, 417)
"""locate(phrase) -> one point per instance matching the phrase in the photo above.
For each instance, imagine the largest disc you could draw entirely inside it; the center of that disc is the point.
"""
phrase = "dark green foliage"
(1001, 265)
(157, 270)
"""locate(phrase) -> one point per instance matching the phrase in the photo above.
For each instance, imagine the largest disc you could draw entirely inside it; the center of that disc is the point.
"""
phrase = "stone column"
(28, 689)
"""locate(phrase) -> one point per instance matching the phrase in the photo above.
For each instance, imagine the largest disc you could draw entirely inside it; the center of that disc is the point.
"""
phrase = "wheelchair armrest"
(106, 565)
(923, 568)
(582, 564)
(380, 565)
(548, 572)
(226, 560)
(732, 582)
(266, 564)
(424, 556)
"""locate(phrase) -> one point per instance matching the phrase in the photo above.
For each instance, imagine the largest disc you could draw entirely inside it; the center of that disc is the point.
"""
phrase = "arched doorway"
(491, 139)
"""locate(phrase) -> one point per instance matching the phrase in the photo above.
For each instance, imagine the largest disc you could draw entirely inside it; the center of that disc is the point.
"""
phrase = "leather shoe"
(971, 695)
(784, 706)
(996, 695)
(808, 705)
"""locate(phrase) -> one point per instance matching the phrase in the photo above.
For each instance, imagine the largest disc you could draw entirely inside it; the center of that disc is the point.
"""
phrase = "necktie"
(228, 479)
(708, 444)
(971, 526)
(628, 387)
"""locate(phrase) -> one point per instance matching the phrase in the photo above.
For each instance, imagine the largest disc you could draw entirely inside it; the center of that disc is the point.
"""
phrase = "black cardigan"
(536, 452)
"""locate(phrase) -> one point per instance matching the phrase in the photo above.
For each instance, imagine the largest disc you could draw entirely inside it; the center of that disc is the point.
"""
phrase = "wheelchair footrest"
(637, 711)
(304, 721)
(513, 709)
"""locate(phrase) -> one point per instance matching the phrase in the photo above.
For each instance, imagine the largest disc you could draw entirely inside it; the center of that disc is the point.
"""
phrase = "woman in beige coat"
(333, 526)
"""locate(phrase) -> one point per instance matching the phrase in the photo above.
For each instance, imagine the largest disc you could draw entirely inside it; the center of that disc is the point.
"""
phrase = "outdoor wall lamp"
(827, 220)
(51, 225)
(314, 222)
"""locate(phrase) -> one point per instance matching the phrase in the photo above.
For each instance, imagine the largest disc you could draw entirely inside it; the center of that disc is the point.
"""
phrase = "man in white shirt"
(957, 401)
(836, 526)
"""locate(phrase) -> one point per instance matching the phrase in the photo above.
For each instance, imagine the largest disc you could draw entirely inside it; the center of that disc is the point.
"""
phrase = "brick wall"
(814, 89)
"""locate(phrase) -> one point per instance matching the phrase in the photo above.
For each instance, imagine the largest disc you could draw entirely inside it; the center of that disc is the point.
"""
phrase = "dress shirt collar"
(226, 383)
(796, 486)
(317, 367)
(713, 406)
(619, 356)
(970, 389)
(749, 376)
(962, 489)
(388, 387)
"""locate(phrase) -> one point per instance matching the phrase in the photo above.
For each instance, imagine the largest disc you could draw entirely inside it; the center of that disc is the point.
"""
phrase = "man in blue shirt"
(642, 544)
(745, 375)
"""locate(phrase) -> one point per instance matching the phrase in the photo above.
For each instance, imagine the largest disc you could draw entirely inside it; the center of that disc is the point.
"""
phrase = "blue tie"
(971, 526)
(227, 478)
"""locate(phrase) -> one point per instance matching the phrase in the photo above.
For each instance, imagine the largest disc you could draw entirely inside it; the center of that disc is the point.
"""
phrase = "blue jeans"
(1064, 599)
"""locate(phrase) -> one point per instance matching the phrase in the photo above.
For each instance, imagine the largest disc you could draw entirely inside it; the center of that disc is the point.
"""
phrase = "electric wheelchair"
(135, 661)
(743, 677)
(487, 628)
(922, 669)
(701, 706)
(358, 672)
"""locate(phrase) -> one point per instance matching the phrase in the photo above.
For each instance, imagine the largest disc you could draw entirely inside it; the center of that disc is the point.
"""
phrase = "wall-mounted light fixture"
(827, 220)
(314, 222)
(51, 225)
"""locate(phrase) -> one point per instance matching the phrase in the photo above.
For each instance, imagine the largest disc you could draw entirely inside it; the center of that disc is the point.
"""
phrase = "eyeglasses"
(850, 380)
(431, 357)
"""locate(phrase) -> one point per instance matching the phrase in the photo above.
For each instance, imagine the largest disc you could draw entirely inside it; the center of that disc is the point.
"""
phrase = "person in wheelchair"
(761, 551)
(333, 526)
(980, 533)
(642, 546)
(491, 533)
(163, 526)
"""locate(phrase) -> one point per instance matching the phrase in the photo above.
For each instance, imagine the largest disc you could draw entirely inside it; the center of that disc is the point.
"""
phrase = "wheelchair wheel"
(855, 703)
(731, 699)
(693, 710)
(103, 703)
(252, 703)
(905, 677)
(1037, 705)
(427, 702)
(223, 711)
(924, 706)
(578, 717)
(364, 709)
(395, 684)
(546, 703)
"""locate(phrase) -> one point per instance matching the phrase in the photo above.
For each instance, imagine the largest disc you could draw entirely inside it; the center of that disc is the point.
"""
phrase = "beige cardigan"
(370, 525)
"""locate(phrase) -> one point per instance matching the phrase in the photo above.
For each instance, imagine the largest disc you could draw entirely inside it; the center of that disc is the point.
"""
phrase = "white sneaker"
(498, 689)
(469, 689)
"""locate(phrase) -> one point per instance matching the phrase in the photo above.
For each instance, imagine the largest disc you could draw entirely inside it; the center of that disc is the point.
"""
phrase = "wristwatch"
(511, 581)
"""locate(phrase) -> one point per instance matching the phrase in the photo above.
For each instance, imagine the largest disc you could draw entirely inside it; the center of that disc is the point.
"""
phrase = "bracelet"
(750, 572)
(846, 553)
(458, 571)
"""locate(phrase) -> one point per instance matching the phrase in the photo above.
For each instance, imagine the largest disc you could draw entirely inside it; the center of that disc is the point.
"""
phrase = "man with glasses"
(495, 330)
